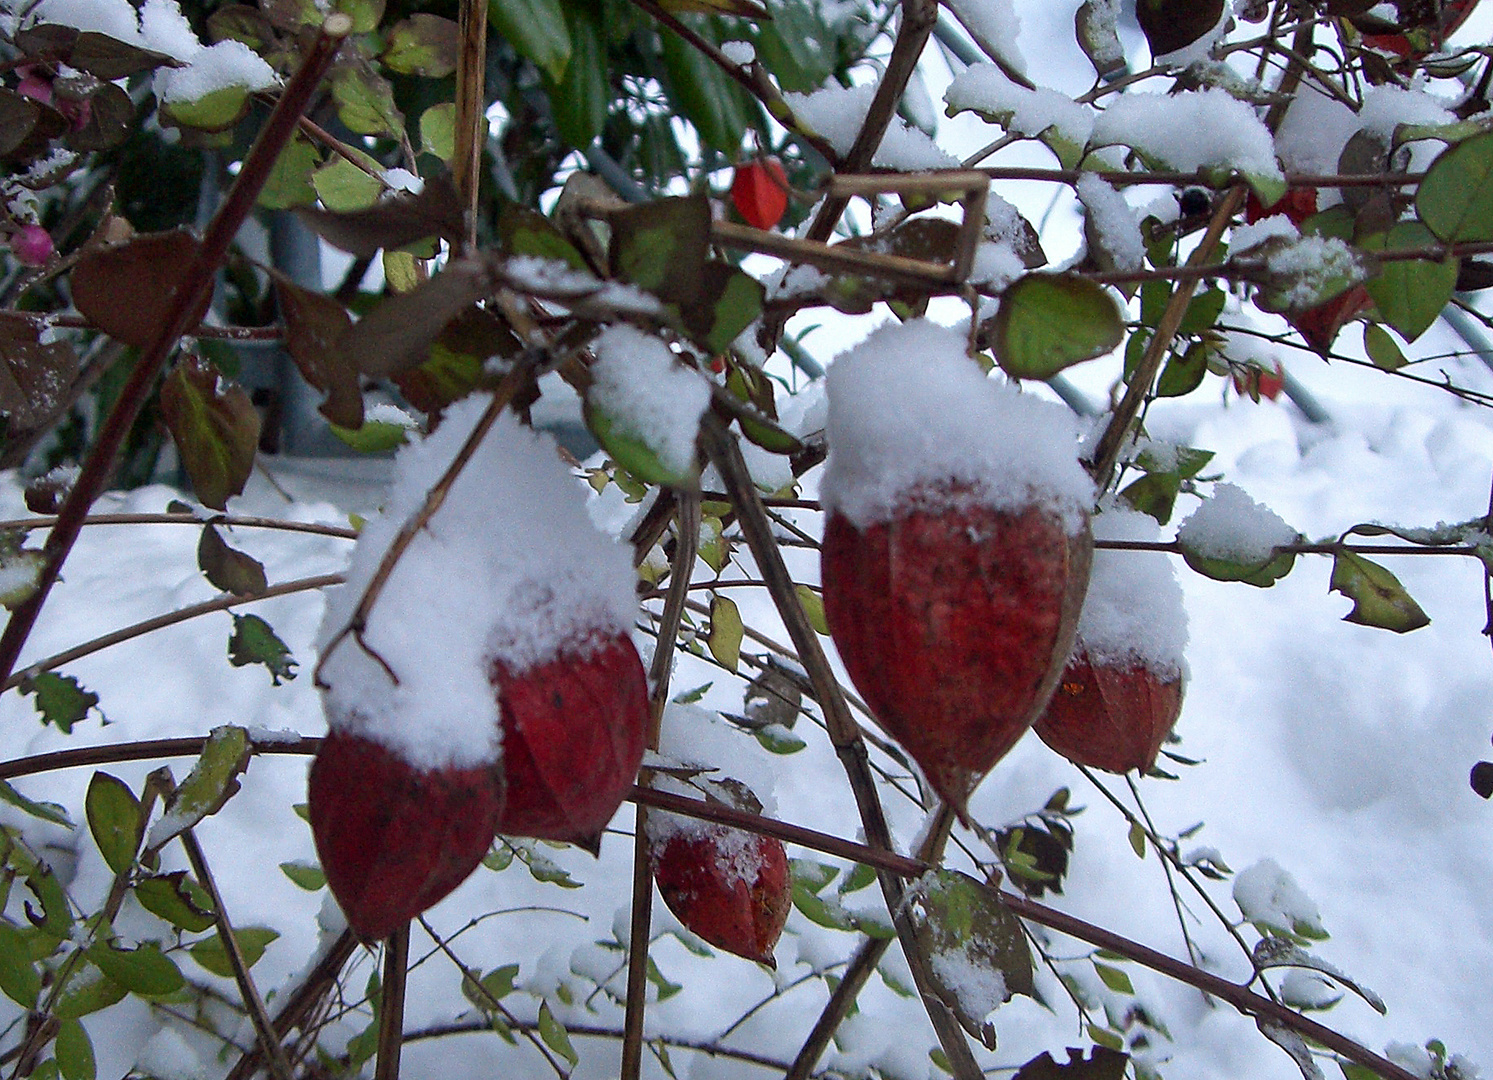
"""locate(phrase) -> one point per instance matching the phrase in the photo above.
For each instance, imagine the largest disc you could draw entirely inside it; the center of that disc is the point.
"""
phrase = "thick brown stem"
(471, 116)
(391, 1006)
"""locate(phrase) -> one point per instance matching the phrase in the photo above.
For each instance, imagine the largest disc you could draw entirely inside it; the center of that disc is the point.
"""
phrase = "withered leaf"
(314, 326)
(215, 426)
(402, 218)
(126, 289)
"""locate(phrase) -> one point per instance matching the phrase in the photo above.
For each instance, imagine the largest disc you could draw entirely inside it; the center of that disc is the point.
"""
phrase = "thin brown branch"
(201, 331)
(391, 1004)
(232, 520)
(196, 283)
(896, 268)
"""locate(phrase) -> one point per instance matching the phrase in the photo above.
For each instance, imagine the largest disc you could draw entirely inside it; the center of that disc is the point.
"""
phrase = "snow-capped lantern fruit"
(1121, 691)
(956, 551)
(729, 886)
(759, 191)
(574, 732)
(394, 840)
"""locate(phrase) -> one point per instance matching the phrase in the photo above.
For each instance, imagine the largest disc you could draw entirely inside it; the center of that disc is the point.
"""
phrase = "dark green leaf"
(1378, 597)
(725, 303)
(1047, 322)
(662, 246)
(1202, 312)
(227, 568)
(19, 979)
(860, 877)
(1097, 37)
(59, 699)
(713, 102)
(580, 96)
(422, 44)
(490, 988)
(57, 815)
(88, 991)
(142, 970)
(252, 941)
(1410, 293)
(74, 1051)
(537, 31)
(1105, 1062)
(115, 819)
(215, 427)
(211, 783)
(1170, 25)
(1184, 374)
(1455, 199)
(254, 642)
(177, 899)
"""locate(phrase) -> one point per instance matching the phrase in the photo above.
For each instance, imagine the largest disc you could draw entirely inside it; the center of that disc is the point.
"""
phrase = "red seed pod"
(954, 625)
(1320, 325)
(1110, 717)
(1298, 204)
(760, 192)
(394, 840)
(574, 731)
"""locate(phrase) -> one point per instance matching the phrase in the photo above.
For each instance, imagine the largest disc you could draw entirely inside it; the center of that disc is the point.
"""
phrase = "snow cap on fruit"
(1133, 614)
(510, 568)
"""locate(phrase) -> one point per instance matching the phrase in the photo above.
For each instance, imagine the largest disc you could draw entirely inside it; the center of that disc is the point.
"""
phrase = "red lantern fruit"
(759, 192)
(956, 551)
(574, 732)
(392, 839)
(1110, 717)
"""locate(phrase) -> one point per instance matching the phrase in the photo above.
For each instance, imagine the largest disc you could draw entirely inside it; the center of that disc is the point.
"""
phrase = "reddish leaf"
(126, 289)
(314, 326)
(760, 193)
(34, 376)
(215, 426)
(1298, 204)
(1320, 325)
(400, 219)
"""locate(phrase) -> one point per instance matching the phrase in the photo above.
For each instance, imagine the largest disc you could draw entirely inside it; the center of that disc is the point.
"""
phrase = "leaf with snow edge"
(724, 640)
(217, 110)
(553, 1032)
(178, 899)
(1095, 31)
(1103, 1062)
(1294, 1045)
(1260, 574)
(227, 569)
(1410, 293)
(88, 991)
(19, 573)
(115, 820)
(1382, 349)
(74, 1052)
(1172, 25)
(142, 970)
(522, 231)
(1455, 200)
(1378, 597)
(215, 427)
(422, 44)
(1270, 898)
(633, 453)
(60, 699)
(765, 433)
(253, 641)
(252, 941)
(52, 812)
(976, 947)
(1048, 322)
(211, 783)
(306, 876)
(1271, 951)
(1298, 275)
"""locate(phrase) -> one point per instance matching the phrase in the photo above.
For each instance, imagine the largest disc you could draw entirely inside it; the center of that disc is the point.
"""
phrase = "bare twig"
(391, 1004)
(232, 520)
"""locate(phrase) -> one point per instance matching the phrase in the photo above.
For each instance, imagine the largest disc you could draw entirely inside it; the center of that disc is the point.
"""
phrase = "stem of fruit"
(264, 1027)
(196, 283)
(471, 118)
(686, 543)
(722, 449)
(391, 1004)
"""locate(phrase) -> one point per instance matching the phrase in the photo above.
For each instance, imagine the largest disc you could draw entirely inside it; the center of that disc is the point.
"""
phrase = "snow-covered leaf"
(1294, 1045)
(1271, 951)
(1172, 25)
(211, 783)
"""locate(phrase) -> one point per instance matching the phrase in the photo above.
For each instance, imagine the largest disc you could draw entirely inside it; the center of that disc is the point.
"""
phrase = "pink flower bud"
(32, 246)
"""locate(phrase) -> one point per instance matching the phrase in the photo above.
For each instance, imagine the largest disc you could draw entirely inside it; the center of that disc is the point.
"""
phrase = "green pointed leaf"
(59, 699)
(1184, 374)
(178, 899)
(1455, 199)
(1410, 293)
(726, 303)
(19, 978)
(537, 31)
(52, 812)
(215, 427)
(211, 783)
(554, 1034)
(308, 876)
(252, 941)
(422, 44)
(1137, 840)
(375, 436)
(977, 950)
(1378, 597)
(726, 631)
(718, 108)
(490, 988)
(1048, 322)
(580, 95)
(1114, 978)
(254, 642)
(74, 1052)
(438, 131)
(1382, 349)
(365, 101)
(227, 568)
(1261, 575)
(776, 739)
(289, 183)
(142, 970)
(343, 187)
(813, 606)
(115, 819)
(88, 991)
(633, 453)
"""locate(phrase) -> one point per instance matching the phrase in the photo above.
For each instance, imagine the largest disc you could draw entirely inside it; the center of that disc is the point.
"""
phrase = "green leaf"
(860, 877)
(438, 131)
(1455, 199)
(177, 899)
(726, 302)
(52, 812)
(537, 31)
(962, 924)
(1261, 574)
(19, 979)
(776, 739)
(422, 44)
(252, 941)
(554, 1034)
(662, 246)
(1048, 322)
(1137, 840)
(227, 568)
(143, 970)
(1184, 374)
(704, 94)
(343, 187)
(375, 436)
(1410, 293)
(813, 605)
(1382, 349)
(88, 991)
(59, 699)
(633, 453)
(490, 988)
(726, 631)
(74, 1052)
(215, 427)
(365, 101)
(365, 14)
(1114, 978)
(579, 97)
(216, 110)
(1378, 597)
(811, 876)
(308, 876)
(1203, 311)
(289, 182)
(115, 819)
(211, 783)
(254, 642)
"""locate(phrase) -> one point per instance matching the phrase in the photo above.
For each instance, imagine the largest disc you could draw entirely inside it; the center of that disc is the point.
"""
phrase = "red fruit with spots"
(392, 839)
(954, 625)
(1110, 716)
(574, 731)
(760, 193)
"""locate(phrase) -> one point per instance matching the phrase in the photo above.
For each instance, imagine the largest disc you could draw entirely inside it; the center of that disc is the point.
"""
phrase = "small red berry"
(760, 192)
(32, 245)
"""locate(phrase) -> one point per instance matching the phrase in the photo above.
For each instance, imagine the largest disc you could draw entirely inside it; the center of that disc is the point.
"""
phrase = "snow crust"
(1231, 525)
(1268, 895)
(909, 411)
(1133, 612)
(837, 113)
(995, 23)
(649, 394)
(979, 988)
(1114, 221)
(1191, 130)
(1315, 261)
(510, 567)
(1244, 237)
(985, 88)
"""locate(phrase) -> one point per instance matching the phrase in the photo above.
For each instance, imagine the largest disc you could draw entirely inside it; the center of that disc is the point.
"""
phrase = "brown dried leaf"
(400, 219)
(397, 334)
(126, 289)
(229, 569)
(34, 376)
(215, 426)
(314, 327)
